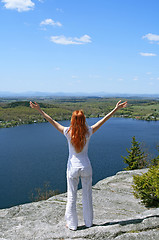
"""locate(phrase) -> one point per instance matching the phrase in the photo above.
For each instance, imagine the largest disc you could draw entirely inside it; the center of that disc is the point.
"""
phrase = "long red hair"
(78, 130)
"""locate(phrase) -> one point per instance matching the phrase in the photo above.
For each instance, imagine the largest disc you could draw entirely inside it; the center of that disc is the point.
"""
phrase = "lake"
(33, 154)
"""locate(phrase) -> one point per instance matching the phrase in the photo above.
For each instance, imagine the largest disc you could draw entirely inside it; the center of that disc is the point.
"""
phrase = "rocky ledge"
(117, 215)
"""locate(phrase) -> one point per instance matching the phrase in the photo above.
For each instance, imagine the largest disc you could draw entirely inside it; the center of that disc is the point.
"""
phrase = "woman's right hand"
(34, 105)
(57, 125)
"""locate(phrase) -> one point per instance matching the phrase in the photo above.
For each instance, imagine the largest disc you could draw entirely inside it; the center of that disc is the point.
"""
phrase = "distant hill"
(74, 94)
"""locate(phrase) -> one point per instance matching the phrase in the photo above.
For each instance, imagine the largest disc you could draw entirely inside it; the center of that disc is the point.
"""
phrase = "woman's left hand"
(120, 105)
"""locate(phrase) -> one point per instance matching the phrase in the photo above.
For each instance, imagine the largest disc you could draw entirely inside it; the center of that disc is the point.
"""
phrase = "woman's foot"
(89, 226)
(70, 228)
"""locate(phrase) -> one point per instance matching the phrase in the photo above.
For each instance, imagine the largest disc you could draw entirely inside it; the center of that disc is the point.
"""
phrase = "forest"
(16, 111)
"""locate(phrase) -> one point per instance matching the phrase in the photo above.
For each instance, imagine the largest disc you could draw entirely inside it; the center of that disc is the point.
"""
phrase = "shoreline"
(13, 123)
(16, 113)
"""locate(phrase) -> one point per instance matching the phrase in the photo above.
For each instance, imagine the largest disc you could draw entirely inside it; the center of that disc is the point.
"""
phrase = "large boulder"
(117, 215)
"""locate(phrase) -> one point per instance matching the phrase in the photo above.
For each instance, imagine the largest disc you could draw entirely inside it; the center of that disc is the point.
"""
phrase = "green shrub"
(155, 161)
(43, 193)
(136, 158)
(146, 187)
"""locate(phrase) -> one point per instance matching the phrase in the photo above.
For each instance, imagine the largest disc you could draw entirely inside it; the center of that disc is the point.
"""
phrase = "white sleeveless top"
(78, 160)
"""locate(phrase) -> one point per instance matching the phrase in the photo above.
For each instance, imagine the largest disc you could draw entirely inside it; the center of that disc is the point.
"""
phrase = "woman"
(78, 135)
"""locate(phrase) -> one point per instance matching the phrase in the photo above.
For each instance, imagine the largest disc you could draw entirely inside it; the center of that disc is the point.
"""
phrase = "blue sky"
(79, 46)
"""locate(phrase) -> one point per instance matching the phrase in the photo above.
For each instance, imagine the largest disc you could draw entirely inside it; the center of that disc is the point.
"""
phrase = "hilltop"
(117, 215)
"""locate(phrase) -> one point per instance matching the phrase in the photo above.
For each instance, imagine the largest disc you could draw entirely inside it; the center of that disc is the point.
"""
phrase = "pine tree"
(136, 158)
(155, 161)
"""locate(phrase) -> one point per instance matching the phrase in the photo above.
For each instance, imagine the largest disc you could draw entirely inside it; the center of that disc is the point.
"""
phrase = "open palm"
(120, 105)
(34, 105)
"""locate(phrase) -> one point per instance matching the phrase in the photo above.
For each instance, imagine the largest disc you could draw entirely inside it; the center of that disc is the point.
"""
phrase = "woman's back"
(78, 159)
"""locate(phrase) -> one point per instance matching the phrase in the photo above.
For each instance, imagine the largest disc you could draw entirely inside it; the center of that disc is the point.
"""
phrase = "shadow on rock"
(126, 222)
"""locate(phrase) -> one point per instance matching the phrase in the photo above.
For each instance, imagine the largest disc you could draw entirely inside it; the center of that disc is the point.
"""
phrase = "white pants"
(73, 175)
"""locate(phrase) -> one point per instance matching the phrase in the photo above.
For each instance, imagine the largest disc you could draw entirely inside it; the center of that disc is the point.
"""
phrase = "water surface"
(33, 154)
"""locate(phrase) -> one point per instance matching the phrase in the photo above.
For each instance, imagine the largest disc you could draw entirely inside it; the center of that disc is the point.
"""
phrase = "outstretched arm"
(57, 125)
(118, 106)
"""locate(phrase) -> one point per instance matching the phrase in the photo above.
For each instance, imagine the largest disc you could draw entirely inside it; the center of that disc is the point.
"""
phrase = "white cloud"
(69, 40)
(51, 22)
(94, 76)
(120, 79)
(19, 5)
(74, 76)
(84, 39)
(57, 68)
(135, 78)
(149, 73)
(152, 37)
(158, 78)
(148, 54)
(59, 10)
